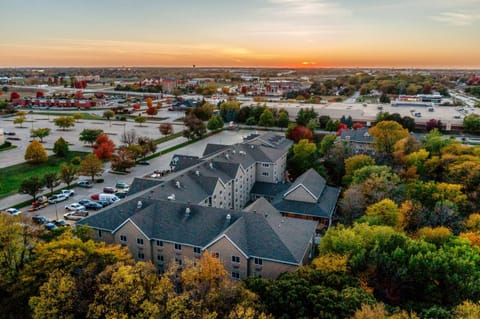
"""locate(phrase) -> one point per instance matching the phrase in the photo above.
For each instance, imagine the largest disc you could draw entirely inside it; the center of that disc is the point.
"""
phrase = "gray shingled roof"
(262, 206)
(181, 162)
(324, 207)
(269, 189)
(311, 181)
(141, 184)
(210, 149)
(358, 136)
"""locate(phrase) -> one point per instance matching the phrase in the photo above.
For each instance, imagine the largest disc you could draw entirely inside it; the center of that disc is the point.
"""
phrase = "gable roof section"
(141, 184)
(311, 181)
(359, 135)
(211, 149)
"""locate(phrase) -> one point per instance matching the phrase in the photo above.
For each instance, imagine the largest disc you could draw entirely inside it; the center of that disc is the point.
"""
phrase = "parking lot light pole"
(56, 211)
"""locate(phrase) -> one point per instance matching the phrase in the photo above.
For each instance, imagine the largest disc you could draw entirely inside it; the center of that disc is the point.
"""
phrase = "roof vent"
(242, 153)
(210, 165)
(252, 146)
(233, 151)
(139, 204)
(197, 172)
(187, 211)
(228, 218)
(227, 156)
(177, 183)
(171, 197)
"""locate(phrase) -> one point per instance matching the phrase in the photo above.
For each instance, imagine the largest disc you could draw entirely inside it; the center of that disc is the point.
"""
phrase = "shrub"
(76, 160)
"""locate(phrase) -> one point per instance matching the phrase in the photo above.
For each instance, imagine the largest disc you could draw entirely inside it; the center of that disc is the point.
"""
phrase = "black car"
(61, 223)
(40, 219)
(93, 205)
(103, 202)
(121, 194)
(143, 163)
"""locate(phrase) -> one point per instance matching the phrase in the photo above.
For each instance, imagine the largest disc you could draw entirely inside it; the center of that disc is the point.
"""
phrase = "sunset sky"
(283, 33)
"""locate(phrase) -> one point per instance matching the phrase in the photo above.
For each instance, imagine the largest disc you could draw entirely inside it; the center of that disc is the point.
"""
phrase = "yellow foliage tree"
(437, 235)
(35, 153)
(385, 212)
(473, 222)
(386, 134)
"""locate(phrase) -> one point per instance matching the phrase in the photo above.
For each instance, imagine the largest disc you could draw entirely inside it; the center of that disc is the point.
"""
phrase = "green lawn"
(85, 116)
(12, 176)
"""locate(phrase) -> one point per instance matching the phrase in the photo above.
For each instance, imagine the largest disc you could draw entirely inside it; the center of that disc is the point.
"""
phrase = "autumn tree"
(90, 135)
(386, 134)
(31, 186)
(147, 145)
(283, 119)
(229, 110)
(304, 156)
(165, 128)
(51, 180)
(149, 102)
(60, 148)
(129, 137)
(354, 163)
(64, 122)
(35, 153)
(103, 147)
(77, 116)
(91, 166)
(195, 128)
(40, 133)
(68, 173)
(122, 160)
(385, 212)
(299, 133)
(152, 111)
(108, 114)
(266, 119)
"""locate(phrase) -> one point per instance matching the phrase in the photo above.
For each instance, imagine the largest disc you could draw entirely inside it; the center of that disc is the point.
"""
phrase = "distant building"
(359, 140)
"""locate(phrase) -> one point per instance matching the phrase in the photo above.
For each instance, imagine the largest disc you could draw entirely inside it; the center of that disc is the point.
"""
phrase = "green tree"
(91, 166)
(40, 133)
(19, 120)
(229, 110)
(51, 180)
(386, 134)
(68, 173)
(140, 119)
(108, 114)
(326, 143)
(35, 153)
(471, 123)
(64, 122)
(60, 148)
(354, 163)
(215, 123)
(305, 115)
(304, 155)
(31, 186)
(283, 119)
(266, 119)
(90, 135)
(384, 212)
(77, 116)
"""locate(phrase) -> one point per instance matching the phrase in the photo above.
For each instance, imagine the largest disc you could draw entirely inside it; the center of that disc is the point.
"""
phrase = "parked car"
(103, 202)
(93, 205)
(14, 211)
(75, 215)
(40, 219)
(10, 133)
(143, 163)
(84, 201)
(86, 184)
(68, 192)
(109, 190)
(74, 207)
(61, 223)
(121, 194)
(122, 186)
(50, 226)
(57, 198)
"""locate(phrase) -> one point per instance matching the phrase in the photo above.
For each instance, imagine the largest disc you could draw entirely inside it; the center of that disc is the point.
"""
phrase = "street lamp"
(56, 211)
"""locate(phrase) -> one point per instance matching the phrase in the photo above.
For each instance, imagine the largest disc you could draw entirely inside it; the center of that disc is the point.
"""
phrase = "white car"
(68, 192)
(57, 198)
(74, 207)
(14, 211)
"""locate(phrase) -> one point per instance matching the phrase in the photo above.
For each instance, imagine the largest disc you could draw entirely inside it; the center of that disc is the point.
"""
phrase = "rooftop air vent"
(171, 197)
(197, 172)
(187, 211)
(177, 183)
(227, 156)
(210, 165)
(228, 218)
(139, 204)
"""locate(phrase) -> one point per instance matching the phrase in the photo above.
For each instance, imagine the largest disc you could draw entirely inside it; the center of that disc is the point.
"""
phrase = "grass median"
(13, 176)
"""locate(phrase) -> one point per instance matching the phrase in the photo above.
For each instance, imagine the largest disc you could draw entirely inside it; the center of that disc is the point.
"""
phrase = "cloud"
(302, 8)
(458, 19)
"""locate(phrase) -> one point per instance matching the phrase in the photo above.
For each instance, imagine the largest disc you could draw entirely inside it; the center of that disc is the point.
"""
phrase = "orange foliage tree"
(103, 147)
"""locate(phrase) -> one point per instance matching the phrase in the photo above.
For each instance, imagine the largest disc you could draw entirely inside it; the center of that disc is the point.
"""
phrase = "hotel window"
(160, 257)
(216, 255)
(266, 165)
(197, 250)
(159, 243)
(258, 261)
(99, 233)
(123, 238)
(141, 255)
(265, 173)
(235, 275)
(139, 241)
(178, 247)
(236, 259)
(178, 261)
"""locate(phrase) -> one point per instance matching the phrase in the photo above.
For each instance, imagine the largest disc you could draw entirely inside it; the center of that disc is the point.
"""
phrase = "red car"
(95, 196)
(109, 190)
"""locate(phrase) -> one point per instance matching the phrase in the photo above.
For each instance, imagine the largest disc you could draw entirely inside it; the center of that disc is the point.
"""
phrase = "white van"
(111, 198)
